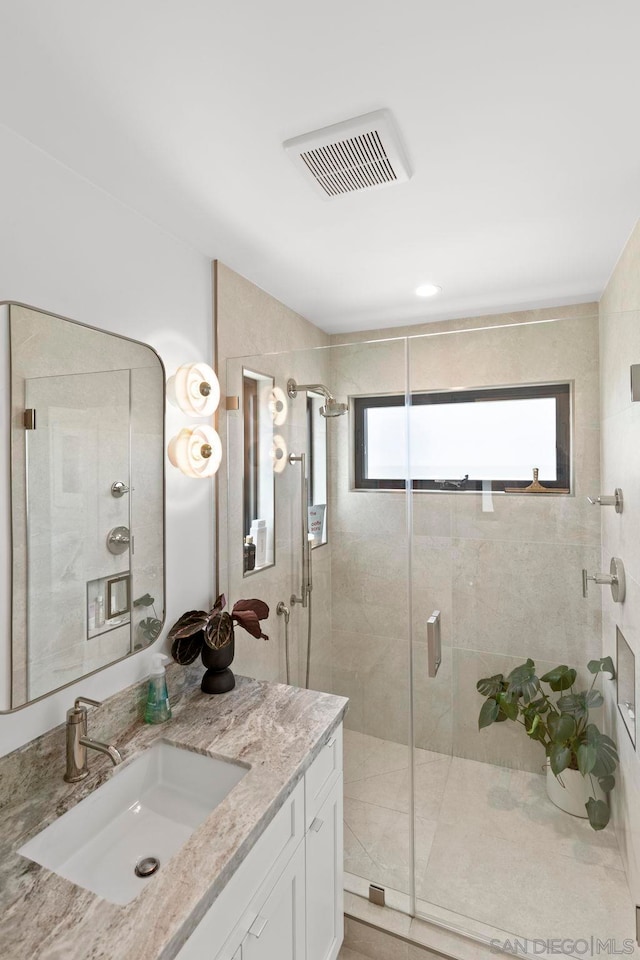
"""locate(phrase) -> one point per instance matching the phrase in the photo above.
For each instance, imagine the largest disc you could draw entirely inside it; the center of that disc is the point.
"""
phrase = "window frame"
(560, 391)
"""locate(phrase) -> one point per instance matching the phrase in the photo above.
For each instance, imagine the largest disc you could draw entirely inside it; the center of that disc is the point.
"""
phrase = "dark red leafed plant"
(215, 628)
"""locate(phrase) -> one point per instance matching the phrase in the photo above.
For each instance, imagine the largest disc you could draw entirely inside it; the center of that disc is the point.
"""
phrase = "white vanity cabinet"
(285, 900)
(324, 851)
(278, 932)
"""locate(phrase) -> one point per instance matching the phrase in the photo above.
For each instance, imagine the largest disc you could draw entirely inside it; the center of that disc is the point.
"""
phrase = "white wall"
(70, 248)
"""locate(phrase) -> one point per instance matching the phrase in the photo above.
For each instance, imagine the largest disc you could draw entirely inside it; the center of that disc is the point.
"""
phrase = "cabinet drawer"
(322, 774)
(270, 854)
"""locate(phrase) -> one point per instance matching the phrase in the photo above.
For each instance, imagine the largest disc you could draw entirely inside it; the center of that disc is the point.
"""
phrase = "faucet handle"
(88, 701)
(77, 713)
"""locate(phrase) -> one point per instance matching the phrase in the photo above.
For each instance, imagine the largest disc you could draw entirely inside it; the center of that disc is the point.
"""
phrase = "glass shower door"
(499, 552)
(354, 631)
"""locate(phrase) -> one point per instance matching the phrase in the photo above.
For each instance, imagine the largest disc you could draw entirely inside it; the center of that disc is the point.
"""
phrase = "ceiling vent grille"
(360, 154)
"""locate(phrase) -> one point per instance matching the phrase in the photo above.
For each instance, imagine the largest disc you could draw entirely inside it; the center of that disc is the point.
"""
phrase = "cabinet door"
(277, 933)
(325, 899)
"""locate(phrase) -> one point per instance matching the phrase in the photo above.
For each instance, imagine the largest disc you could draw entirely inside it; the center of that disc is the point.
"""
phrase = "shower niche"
(626, 684)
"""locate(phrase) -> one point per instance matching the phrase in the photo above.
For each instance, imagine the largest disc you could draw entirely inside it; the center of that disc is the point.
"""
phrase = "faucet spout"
(78, 741)
(108, 748)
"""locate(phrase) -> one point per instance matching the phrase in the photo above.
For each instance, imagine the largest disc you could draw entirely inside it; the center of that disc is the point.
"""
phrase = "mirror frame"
(10, 537)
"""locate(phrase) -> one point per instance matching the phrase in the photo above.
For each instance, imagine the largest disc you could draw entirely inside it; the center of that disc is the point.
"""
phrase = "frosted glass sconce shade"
(196, 450)
(278, 406)
(278, 453)
(194, 388)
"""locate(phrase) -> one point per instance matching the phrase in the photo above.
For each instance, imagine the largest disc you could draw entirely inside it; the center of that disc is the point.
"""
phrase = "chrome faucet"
(78, 742)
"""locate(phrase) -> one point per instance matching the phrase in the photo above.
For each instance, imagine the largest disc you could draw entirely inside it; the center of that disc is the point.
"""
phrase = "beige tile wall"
(619, 348)
(277, 342)
(507, 582)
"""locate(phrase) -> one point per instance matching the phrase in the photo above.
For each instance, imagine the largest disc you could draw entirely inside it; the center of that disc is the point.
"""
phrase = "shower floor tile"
(489, 844)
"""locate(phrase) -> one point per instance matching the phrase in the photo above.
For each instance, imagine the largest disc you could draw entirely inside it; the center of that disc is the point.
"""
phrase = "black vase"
(218, 678)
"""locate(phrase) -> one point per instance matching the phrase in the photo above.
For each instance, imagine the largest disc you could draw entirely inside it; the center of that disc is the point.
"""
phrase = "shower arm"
(294, 388)
(306, 587)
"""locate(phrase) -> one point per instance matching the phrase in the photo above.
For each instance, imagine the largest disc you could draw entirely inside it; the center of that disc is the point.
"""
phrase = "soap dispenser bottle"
(158, 708)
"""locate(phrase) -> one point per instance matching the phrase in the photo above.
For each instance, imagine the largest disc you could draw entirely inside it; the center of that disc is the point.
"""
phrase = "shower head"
(332, 408)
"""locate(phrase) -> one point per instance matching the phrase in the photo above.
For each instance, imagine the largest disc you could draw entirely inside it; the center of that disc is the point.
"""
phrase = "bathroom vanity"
(259, 879)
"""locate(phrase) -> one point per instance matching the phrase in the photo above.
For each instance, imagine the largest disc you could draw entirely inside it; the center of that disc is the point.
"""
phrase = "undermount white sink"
(148, 809)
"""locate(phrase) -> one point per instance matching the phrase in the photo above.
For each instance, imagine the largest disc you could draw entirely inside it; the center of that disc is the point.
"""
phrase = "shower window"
(460, 440)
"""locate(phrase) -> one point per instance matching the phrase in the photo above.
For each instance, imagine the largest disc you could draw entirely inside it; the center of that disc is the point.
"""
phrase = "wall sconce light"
(194, 388)
(196, 450)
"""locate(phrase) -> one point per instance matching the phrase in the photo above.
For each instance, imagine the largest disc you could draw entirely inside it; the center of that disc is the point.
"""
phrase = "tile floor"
(489, 844)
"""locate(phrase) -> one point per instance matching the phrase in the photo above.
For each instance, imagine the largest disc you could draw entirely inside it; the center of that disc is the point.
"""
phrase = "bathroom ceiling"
(519, 121)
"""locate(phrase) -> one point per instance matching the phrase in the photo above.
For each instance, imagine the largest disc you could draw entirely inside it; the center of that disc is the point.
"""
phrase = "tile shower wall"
(619, 348)
(507, 581)
(254, 325)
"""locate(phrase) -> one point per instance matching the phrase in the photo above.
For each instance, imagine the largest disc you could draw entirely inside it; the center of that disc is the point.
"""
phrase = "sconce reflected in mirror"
(278, 453)
(278, 406)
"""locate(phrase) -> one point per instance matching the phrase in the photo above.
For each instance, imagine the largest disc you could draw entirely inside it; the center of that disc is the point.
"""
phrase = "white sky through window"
(489, 440)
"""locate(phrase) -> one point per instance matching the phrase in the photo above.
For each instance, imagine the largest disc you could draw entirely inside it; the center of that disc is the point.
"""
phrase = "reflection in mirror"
(317, 469)
(260, 410)
(118, 598)
(87, 501)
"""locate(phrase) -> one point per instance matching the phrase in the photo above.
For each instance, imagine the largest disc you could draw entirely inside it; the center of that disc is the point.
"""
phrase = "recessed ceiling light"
(428, 290)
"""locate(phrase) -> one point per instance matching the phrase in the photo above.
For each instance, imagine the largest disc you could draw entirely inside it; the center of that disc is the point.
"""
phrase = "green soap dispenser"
(158, 708)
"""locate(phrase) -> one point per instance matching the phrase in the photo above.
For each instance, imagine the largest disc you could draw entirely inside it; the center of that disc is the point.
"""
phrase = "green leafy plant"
(561, 724)
(215, 628)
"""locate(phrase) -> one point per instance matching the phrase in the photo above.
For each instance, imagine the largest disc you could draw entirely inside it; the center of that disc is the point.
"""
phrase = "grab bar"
(306, 587)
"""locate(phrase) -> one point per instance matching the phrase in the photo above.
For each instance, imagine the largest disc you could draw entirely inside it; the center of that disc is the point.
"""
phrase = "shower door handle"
(434, 646)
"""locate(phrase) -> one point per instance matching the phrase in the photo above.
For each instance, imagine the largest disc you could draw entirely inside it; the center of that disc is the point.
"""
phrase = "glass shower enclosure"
(431, 536)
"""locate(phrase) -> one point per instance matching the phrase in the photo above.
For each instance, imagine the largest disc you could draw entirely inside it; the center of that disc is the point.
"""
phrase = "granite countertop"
(274, 728)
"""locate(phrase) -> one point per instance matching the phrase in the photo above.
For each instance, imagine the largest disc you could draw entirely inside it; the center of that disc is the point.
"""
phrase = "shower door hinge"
(29, 418)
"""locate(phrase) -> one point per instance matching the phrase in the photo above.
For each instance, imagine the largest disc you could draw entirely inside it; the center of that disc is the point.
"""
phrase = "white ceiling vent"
(359, 154)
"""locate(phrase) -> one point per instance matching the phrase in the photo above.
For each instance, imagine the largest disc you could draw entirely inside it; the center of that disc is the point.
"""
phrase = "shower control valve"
(617, 500)
(615, 579)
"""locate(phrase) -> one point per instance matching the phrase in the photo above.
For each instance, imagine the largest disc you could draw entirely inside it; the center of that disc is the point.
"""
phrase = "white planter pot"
(571, 791)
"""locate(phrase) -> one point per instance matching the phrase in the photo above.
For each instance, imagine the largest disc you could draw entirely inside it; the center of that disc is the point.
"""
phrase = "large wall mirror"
(84, 437)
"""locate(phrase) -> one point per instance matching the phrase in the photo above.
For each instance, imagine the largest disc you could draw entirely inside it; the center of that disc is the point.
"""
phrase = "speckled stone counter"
(276, 729)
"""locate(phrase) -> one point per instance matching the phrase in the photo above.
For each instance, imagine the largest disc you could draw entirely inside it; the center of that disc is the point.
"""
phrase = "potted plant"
(211, 635)
(580, 759)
